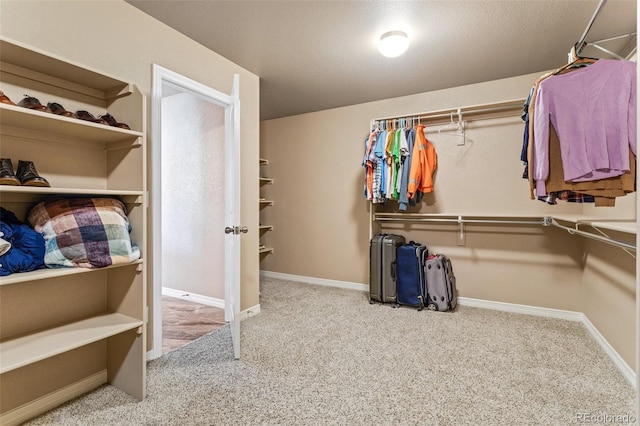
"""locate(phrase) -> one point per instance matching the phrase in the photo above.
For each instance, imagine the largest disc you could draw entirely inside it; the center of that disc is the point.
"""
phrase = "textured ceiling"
(315, 55)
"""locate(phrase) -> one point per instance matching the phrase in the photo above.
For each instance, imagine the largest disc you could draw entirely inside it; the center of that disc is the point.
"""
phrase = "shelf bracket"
(461, 236)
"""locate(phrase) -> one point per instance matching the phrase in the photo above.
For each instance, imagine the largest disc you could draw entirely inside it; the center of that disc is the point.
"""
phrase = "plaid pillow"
(84, 232)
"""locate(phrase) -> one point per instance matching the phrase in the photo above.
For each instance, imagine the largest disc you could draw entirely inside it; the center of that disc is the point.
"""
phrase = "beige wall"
(321, 219)
(118, 39)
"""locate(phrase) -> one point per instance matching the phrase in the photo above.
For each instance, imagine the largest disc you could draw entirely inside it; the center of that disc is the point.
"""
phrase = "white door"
(196, 160)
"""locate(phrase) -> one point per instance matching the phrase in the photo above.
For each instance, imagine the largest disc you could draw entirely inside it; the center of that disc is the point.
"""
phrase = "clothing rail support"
(580, 44)
(608, 240)
(461, 239)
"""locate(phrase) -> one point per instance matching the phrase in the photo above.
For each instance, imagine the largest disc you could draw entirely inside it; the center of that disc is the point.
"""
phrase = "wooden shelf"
(266, 181)
(264, 162)
(25, 350)
(43, 274)
(266, 227)
(49, 69)
(16, 117)
(89, 160)
(10, 193)
(264, 250)
(266, 202)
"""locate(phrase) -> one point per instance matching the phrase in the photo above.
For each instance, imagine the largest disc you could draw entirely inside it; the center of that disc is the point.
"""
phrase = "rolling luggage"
(382, 267)
(441, 283)
(411, 286)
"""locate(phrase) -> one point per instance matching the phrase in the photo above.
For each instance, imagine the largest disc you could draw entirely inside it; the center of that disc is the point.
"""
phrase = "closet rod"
(580, 44)
(418, 217)
(514, 106)
(607, 240)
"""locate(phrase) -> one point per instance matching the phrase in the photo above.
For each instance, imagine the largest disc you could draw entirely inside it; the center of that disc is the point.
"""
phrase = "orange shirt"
(423, 165)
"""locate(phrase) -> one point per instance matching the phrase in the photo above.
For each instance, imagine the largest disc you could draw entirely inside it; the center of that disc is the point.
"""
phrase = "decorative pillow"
(84, 232)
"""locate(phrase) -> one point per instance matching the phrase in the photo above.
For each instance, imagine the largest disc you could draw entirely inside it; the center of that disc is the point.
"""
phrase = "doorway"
(196, 163)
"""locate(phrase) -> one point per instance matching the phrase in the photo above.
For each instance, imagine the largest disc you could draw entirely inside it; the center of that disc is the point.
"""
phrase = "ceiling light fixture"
(393, 43)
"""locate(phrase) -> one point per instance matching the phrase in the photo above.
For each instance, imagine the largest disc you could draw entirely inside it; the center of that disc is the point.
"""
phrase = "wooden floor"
(184, 321)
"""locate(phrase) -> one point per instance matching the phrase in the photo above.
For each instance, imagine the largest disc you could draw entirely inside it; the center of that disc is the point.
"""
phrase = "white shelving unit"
(263, 250)
(66, 331)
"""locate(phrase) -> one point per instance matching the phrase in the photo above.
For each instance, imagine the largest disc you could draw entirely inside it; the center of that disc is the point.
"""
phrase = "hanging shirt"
(593, 109)
(377, 170)
(382, 164)
(404, 199)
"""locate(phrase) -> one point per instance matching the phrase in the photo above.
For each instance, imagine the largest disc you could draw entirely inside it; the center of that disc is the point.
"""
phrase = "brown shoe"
(28, 174)
(7, 177)
(33, 103)
(5, 99)
(113, 122)
(87, 116)
(58, 109)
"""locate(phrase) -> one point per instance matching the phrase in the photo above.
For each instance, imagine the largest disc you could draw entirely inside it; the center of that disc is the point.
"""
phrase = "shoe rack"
(263, 249)
(64, 332)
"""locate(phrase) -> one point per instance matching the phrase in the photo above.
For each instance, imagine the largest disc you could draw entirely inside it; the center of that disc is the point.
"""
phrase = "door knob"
(235, 230)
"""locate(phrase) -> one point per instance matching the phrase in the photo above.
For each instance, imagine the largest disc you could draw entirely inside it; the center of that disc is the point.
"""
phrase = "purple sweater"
(593, 110)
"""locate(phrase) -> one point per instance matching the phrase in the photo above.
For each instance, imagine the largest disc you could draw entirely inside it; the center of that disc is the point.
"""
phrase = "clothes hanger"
(575, 60)
(456, 128)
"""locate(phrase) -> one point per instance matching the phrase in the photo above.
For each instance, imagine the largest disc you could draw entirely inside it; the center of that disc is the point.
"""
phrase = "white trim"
(161, 76)
(313, 280)
(53, 399)
(204, 300)
(521, 309)
(251, 312)
(624, 368)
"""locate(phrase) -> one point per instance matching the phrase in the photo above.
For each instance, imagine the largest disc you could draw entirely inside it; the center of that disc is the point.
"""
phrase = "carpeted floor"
(324, 356)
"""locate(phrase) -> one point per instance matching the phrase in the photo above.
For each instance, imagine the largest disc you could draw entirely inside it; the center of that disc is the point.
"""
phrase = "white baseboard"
(313, 280)
(251, 312)
(54, 399)
(521, 309)
(624, 368)
(204, 300)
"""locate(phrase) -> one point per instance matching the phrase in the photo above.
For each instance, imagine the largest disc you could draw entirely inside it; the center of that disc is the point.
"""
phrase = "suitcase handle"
(393, 270)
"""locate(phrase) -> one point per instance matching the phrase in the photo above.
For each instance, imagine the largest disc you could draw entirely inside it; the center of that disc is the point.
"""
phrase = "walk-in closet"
(541, 233)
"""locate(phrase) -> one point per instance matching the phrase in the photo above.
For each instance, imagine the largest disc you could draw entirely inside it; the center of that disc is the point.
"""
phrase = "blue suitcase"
(411, 283)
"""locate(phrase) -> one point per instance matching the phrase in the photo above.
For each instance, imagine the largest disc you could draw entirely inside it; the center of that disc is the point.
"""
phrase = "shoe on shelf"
(113, 122)
(28, 174)
(5, 99)
(33, 103)
(7, 176)
(87, 116)
(58, 109)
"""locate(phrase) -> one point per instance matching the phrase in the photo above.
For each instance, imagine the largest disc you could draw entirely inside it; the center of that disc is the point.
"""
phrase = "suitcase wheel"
(372, 302)
(432, 307)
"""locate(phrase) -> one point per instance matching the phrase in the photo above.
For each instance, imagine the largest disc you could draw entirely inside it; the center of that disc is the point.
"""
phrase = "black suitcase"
(382, 267)
(411, 285)
(441, 283)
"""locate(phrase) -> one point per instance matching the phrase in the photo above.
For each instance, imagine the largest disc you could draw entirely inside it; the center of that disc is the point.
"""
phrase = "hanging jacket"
(423, 165)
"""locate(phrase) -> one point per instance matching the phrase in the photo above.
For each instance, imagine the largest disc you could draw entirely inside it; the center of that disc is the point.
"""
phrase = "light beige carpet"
(324, 356)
